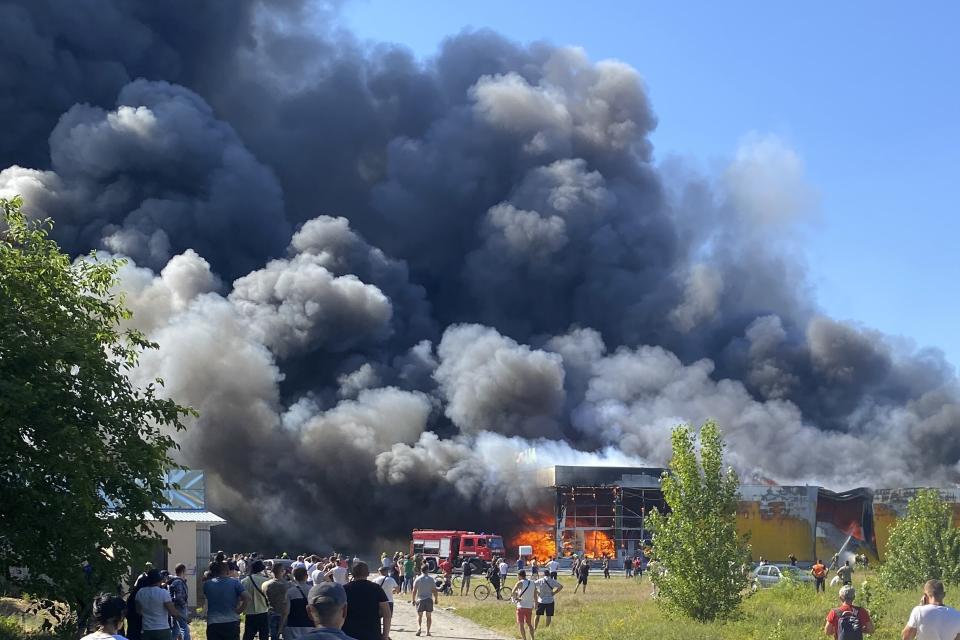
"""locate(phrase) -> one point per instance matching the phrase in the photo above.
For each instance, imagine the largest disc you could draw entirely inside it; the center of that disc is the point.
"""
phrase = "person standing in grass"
(848, 622)
(523, 594)
(931, 619)
(547, 588)
(845, 573)
(467, 571)
(819, 573)
(583, 572)
(180, 595)
(606, 567)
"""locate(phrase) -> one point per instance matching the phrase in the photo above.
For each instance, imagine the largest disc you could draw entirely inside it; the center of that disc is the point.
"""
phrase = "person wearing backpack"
(180, 595)
(848, 622)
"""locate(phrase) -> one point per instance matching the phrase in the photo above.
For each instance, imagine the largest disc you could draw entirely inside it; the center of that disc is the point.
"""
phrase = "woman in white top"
(108, 612)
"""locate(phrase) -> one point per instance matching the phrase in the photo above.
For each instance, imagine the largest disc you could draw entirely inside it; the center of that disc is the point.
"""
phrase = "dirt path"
(445, 625)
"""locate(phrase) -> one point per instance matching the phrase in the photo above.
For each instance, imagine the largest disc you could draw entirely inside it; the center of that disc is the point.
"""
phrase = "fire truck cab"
(436, 546)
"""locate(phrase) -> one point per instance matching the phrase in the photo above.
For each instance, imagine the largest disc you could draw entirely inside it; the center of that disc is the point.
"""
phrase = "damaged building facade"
(602, 511)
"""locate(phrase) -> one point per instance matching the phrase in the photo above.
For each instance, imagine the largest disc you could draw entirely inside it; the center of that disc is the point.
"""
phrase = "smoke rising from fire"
(393, 287)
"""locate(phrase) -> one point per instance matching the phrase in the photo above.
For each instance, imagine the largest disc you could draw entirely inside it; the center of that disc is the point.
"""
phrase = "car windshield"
(495, 543)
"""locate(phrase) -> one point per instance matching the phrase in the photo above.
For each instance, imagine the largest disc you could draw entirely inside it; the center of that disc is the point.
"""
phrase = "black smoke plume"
(392, 286)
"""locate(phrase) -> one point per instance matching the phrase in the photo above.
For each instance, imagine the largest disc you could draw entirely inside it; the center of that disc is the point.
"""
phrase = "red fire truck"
(456, 546)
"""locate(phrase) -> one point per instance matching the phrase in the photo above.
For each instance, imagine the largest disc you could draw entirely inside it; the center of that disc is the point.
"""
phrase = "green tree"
(83, 451)
(697, 543)
(923, 544)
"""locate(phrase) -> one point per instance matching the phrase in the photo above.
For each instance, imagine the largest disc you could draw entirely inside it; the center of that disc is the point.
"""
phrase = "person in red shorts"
(846, 620)
(524, 594)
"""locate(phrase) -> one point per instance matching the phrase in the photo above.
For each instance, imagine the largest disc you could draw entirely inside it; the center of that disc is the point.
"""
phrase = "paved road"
(445, 624)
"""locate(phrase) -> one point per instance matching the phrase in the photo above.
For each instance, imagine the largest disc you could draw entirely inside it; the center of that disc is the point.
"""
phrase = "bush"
(923, 544)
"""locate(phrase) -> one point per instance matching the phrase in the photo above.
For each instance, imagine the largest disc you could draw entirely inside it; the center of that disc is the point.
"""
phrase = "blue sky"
(867, 93)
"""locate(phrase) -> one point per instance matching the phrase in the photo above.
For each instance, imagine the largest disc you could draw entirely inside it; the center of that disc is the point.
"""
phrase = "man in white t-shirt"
(547, 587)
(503, 567)
(932, 620)
(553, 565)
(388, 584)
(524, 593)
(338, 574)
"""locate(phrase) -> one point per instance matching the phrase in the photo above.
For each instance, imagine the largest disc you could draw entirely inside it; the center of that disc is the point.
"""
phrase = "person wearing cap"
(847, 616)
(327, 607)
(367, 606)
(155, 605)
(931, 619)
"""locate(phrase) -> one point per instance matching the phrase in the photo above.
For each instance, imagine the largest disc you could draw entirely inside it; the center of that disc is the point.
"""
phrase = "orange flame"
(598, 544)
(544, 546)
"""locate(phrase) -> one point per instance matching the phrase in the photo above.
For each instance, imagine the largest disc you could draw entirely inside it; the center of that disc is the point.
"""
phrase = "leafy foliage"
(923, 544)
(83, 452)
(697, 542)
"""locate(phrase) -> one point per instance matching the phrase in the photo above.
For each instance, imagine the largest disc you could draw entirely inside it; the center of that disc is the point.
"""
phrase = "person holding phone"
(931, 619)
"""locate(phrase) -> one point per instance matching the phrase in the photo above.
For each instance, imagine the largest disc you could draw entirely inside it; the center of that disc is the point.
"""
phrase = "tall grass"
(620, 608)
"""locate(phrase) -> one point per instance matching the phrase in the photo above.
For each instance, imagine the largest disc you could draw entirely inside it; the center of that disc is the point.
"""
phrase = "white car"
(770, 575)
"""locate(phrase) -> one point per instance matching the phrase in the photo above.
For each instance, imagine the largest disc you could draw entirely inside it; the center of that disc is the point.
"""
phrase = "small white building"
(188, 541)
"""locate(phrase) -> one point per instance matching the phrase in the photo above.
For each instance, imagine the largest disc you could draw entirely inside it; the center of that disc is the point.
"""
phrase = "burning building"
(601, 511)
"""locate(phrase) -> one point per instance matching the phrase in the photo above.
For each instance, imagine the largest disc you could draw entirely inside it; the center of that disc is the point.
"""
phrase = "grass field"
(620, 608)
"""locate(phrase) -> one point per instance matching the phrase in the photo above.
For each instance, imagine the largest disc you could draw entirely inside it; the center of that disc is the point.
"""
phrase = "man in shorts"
(583, 572)
(524, 594)
(425, 595)
(547, 588)
(845, 573)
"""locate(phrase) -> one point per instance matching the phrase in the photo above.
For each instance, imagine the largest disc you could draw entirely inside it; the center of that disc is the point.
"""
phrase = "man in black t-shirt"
(366, 605)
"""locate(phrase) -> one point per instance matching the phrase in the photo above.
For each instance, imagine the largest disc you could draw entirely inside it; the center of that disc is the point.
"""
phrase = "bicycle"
(483, 591)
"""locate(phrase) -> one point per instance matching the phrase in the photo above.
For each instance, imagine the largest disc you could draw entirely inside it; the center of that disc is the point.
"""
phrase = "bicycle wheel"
(456, 582)
(482, 592)
(506, 592)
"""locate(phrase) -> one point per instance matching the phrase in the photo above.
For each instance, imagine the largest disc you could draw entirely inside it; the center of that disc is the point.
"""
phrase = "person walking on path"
(425, 595)
(257, 616)
(848, 621)
(276, 590)
(523, 594)
(368, 609)
(547, 588)
(819, 573)
(408, 574)
(931, 619)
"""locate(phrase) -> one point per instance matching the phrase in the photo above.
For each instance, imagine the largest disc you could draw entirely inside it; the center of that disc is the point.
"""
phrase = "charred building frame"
(602, 511)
